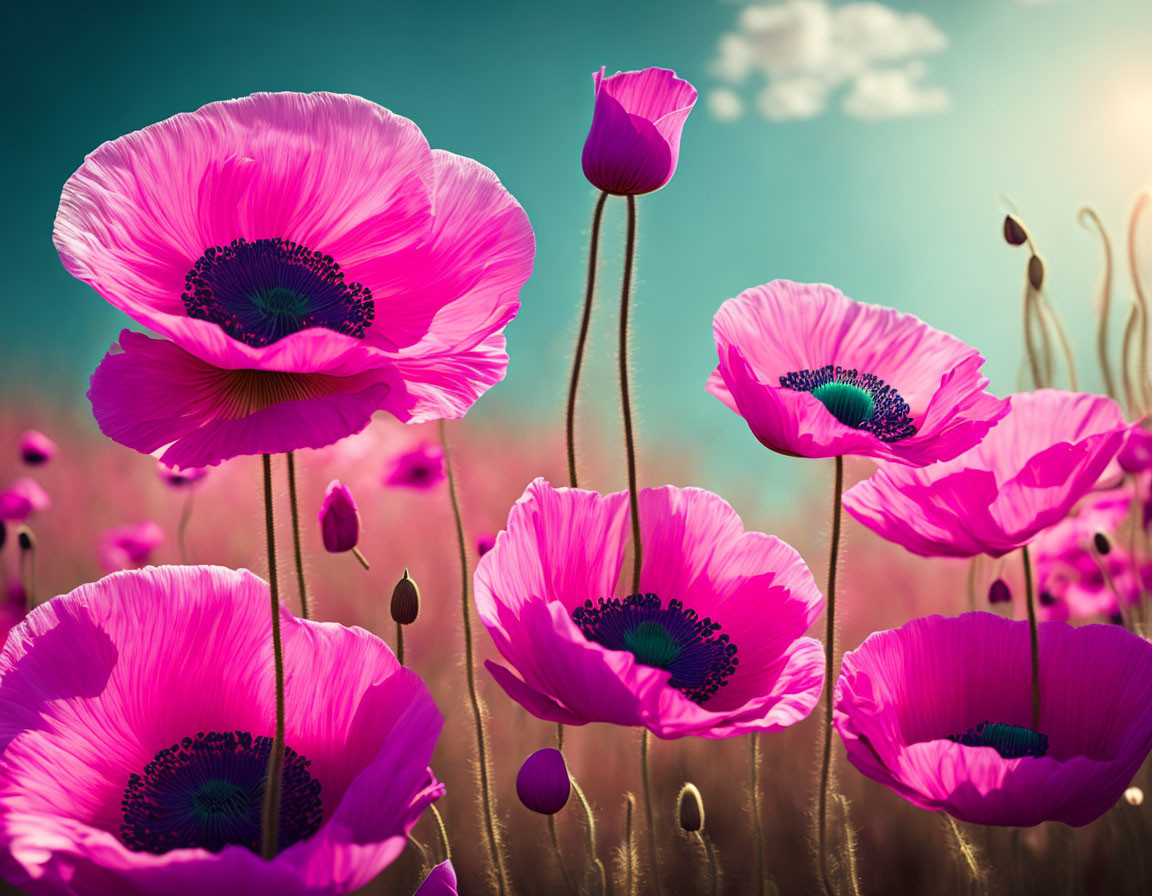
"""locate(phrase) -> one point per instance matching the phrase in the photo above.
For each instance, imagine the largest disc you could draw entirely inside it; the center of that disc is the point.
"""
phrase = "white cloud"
(805, 52)
(725, 103)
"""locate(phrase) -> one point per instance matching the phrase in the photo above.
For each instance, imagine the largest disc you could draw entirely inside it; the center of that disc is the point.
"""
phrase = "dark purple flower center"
(860, 400)
(262, 291)
(1010, 741)
(672, 638)
(208, 792)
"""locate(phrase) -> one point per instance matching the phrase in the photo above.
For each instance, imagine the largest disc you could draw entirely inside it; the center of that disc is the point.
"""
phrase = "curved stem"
(829, 672)
(590, 822)
(625, 400)
(28, 574)
(757, 826)
(1062, 336)
(305, 606)
(491, 831)
(582, 339)
(968, 852)
(646, 775)
(270, 814)
(182, 527)
(443, 832)
(559, 853)
(713, 869)
(1141, 299)
(1033, 638)
(560, 736)
(1104, 292)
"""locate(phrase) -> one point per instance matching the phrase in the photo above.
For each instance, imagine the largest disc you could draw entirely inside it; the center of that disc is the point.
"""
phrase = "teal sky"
(1049, 102)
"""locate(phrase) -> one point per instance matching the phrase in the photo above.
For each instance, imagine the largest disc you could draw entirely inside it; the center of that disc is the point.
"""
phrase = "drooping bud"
(1036, 272)
(405, 600)
(1014, 232)
(998, 593)
(1047, 598)
(339, 519)
(1134, 796)
(542, 783)
(690, 808)
(1101, 543)
(36, 448)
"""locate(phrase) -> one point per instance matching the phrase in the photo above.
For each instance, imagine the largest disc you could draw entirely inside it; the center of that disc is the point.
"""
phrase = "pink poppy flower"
(712, 647)
(634, 143)
(132, 703)
(129, 547)
(180, 477)
(22, 498)
(441, 881)
(421, 468)
(1136, 455)
(1026, 475)
(339, 518)
(816, 374)
(936, 710)
(309, 260)
(36, 448)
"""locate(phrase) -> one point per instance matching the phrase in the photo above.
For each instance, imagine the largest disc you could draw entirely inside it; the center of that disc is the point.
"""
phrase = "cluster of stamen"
(672, 638)
(1010, 741)
(208, 792)
(263, 290)
(860, 400)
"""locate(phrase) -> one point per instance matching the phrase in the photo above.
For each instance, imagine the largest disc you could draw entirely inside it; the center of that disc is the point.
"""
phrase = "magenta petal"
(441, 881)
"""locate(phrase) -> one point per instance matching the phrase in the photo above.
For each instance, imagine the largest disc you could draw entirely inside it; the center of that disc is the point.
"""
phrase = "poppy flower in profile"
(1025, 476)
(308, 260)
(339, 518)
(22, 498)
(129, 547)
(634, 143)
(712, 646)
(135, 731)
(36, 449)
(938, 711)
(816, 374)
(420, 469)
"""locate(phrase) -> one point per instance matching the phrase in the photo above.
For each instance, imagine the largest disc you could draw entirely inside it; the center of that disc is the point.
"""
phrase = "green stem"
(646, 774)
(270, 815)
(829, 672)
(968, 853)
(713, 869)
(757, 826)
(582, 340)
(491, 831)
(590, 823)
(1033, 638)
(630, 888)
(559, 853)
(400, 643)
(305, 606)
(625, 400)
(443, 832)
(182, 528)
(560, 736)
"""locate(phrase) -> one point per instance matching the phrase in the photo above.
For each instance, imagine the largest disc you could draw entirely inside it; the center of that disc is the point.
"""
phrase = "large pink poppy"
(135, 724)
(939, 709)
(1026, 475)
(816, 374)
(713, 645)
(308, 259)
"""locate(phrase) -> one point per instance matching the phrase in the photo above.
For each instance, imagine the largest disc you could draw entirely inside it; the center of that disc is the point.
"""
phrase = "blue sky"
(1048, 102)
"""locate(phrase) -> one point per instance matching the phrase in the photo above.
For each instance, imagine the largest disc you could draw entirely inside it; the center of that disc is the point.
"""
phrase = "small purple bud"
(1136, 455)
(405, 601)
(36, 448)
(1047, 598)
(998, 593)
(484, 544)
(542, 783)
(1101, 543)
(690, 808)
(339, 518)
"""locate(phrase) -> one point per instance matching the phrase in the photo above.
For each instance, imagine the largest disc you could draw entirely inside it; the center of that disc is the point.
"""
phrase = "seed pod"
(543, 784)
(690, 808)
(405, 600)
(998, 592)
(25, 538)
(1036, 272)
(1014, 232)
(1101, 543)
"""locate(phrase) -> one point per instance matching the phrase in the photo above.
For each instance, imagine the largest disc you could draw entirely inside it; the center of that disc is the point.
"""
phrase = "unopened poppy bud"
(1101, 543)
(36, 448)
(690, 808)
(1047, 598)
(25, 539)
(484, 544)
(1136, 455)
(405, 600)
(1036, 272)
(1134, 796)
(543, 784)
(1014, 232)
(339, 519)
(998, 592)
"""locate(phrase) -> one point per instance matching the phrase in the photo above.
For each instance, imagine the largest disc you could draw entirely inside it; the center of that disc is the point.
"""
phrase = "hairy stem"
(590, 826)
(182, 528)
(305, 606)
(754, 806)
(625, 399)
(968, 852)
(559, 853)
(1030, 601)
(270, 815)
(646, 775)
(713, 868)
(443, 831)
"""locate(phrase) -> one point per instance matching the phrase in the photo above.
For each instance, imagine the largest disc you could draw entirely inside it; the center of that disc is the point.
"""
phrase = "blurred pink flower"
(421, 468)
(180, 477)
(816, 374)
(634, 143)
(1026, 475)
(339, 518)
(713, 645)
(936, 710)
(172, 666)
(129, 547)
(21, 498)
(308, 259)
(36, 448)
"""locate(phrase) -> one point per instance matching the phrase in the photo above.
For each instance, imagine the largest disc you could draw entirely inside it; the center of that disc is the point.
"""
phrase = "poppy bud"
(339, 519)
(690, 808)
(25, 538)
(542, 784)
(1101, 543)
(1047, 598)
(36, 448)
(1036, 272)
(1136, 455)
(1014, 232)
(405, 600)
(998, 592)
(484, 544)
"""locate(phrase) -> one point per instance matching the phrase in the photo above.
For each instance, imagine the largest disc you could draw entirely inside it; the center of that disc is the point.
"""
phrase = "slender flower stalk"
(569, 884)
(182, 527)
(270, 815)
(754, 809)
(491, 827)
(582, 339)
(1033, 638)
(646, 775)
(27, 542)
(968, 853)
(1143, 392)
(625, 399)
(713, 867)
(590, 826)
(305, 605)
(1103, 301)
(445, 848)
(629, 876)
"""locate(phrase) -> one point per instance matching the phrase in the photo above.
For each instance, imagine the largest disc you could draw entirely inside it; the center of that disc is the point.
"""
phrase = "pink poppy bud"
(542, 783)
(634, 143)
(339, 518)
(130, 547)
(180, 477)
(36, 448)
(998, 592)
(21, 498)
(1136, 455)
(484, 544)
